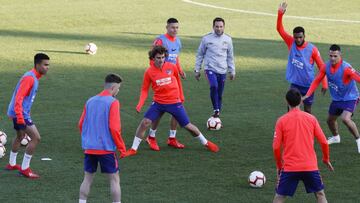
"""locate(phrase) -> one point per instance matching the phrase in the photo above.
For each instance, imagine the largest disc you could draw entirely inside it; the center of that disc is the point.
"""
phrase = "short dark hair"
(293, 97)
(299, 29)
(113, 78)
(39, 57)
(157, 50)
(172, 20)
(217, 19)
(335, 47)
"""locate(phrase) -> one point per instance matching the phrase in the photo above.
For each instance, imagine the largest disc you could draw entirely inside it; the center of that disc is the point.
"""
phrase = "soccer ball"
(257, 179)
(3, 138)
(91, 48)
(213, 123)
(2, 150)
(25, 140)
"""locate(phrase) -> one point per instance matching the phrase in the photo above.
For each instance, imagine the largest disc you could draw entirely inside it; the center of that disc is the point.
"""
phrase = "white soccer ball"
(25, 140)
(2, 151)
(257, 179)
(3, 138)
(213, 123)
(91, 48)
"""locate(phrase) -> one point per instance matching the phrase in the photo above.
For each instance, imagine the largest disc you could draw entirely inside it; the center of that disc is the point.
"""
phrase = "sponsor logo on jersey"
(163, 81)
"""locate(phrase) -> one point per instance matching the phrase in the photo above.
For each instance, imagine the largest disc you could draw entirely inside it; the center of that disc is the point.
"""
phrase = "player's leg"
(85, 186)
(15, 147)
(350, 124)
(172, 141)
(313, 184)
(110, 166)
(90, 167)
(178, 111)
(286, 185)
(320, 197)
(34, 134)
(221, 78)
(212, 79)
(152, 114)
(115, 189)
(151, 139)
(334, 113)
(154, 126)
(279, 198)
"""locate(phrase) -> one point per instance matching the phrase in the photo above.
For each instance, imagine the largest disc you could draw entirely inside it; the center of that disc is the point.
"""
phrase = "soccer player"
(294, 136)
(216, 50)
(168, 96)
(100, 129)
(302, 55)
(19, 111)
(173, 44)
(343, 91)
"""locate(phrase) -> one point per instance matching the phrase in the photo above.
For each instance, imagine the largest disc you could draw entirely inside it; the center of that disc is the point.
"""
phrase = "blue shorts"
(177, 110)
(108, 163)
(28, 122)
(337, 107)
(288, 182)
(303, 90)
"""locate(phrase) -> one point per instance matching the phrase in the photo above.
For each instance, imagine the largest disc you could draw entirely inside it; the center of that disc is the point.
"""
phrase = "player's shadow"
(60, 51)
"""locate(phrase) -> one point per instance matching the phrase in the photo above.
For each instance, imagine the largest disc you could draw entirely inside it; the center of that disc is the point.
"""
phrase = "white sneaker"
(358, 144)
(334, 139)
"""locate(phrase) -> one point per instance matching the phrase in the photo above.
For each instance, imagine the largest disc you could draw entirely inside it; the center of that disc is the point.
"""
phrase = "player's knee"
(346, 120)
(213, 87)
(146, 122)
(320, 194)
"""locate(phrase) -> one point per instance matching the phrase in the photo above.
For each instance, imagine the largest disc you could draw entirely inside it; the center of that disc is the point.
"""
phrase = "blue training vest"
(299, 70)
(338, 90)
(95, 130)
(173, 48)
(28, 100)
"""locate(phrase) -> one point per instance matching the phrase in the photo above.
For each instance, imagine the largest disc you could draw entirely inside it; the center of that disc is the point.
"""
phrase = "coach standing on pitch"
(216, 50)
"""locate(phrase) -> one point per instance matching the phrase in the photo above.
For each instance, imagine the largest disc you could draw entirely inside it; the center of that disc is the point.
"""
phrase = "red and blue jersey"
(100, 125)
(24, 96)
(299, 70)
(173, 45)
(340, 91)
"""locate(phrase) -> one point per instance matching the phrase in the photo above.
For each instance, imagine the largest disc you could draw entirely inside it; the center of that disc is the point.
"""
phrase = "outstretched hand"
(282, 7)
(197, 76)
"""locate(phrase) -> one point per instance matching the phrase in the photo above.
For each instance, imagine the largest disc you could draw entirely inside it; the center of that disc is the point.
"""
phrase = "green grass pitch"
(123, 31)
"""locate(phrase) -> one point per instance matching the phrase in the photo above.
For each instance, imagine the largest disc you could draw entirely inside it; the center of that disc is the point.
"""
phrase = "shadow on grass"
(61, 51)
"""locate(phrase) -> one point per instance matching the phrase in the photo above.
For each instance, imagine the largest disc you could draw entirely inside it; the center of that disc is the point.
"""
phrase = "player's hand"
(138, 109)
(323, 91)
(282, 7)
(183, 75)
(304, 97)
(329, 165)
(232, 76)
(197, 76)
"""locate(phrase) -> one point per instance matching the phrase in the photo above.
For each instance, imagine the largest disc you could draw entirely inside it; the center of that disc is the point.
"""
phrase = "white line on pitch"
(270, 14)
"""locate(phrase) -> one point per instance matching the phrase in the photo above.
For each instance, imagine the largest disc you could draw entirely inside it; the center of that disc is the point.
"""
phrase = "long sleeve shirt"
(114, 126)
(24, 89)
(295, 132)
(349, 74)
(217, 53)
(165, 83)
(289, 40)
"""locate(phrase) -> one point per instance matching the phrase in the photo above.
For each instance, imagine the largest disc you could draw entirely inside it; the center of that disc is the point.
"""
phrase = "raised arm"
(288, 39)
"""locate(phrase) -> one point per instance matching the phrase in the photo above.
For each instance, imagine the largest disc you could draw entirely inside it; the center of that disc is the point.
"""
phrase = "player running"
(168, 96)
(173, 44)
(343, 91)
(294, 136)
(302, 55)
(19, 111)
(216, 50)
(100, 129)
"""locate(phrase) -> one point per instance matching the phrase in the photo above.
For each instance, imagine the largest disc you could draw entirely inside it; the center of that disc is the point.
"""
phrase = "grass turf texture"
(123, 32)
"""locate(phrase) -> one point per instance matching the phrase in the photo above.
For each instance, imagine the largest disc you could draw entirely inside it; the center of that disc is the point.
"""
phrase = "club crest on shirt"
(168, 71)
